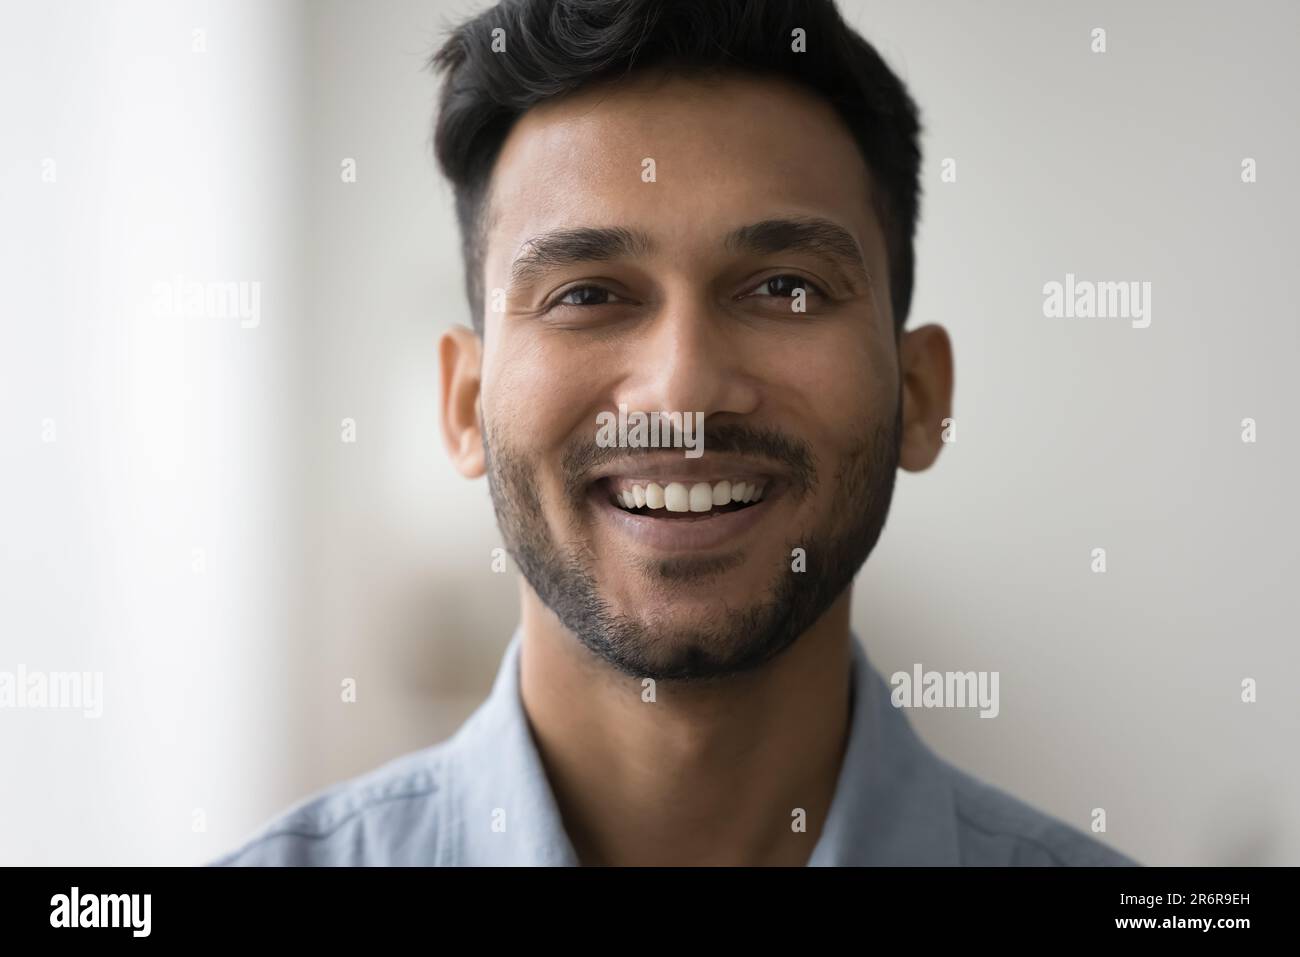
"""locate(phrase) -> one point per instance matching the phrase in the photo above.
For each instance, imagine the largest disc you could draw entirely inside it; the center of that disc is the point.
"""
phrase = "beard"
(648, 643)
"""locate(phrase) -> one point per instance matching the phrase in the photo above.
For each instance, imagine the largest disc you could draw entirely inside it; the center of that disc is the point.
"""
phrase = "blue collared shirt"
(482, 798)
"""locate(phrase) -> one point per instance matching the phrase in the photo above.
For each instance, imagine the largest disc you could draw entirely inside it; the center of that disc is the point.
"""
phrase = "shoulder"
(996, 829)
(387, 816)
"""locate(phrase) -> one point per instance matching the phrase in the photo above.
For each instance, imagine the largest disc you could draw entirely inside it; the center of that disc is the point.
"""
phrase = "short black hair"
(554, 47)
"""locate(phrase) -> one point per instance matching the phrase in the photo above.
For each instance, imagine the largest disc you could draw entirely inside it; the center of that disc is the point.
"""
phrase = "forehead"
(724, 151)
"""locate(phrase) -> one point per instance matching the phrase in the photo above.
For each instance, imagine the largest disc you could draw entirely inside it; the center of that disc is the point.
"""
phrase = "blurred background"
(182, 511)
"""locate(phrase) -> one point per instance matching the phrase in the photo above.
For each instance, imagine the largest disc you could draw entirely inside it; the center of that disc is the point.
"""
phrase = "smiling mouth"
(667, 514)
(686, 499)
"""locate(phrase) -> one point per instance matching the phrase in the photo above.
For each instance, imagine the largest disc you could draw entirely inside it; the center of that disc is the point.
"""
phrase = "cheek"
(537, 396)
(839, 385)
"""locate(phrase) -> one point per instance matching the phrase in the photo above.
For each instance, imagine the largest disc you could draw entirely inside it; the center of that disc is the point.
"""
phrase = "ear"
(460, 352)
(925, 357)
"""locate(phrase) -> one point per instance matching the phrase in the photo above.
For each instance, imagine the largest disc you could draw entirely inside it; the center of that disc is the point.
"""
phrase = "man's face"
(690, 309)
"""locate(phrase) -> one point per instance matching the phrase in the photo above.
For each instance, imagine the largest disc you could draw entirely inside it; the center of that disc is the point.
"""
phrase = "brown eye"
(585, 296)
(784, 287)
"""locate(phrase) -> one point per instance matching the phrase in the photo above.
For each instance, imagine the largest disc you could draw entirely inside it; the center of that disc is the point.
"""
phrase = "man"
(703, 209)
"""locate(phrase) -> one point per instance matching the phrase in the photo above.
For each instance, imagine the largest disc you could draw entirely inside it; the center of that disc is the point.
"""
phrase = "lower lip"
(683, 534)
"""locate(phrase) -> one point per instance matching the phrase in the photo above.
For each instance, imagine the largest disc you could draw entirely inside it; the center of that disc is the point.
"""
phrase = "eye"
(784, 287)
(585, 296)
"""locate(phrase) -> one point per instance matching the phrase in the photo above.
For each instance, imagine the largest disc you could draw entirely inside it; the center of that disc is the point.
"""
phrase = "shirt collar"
(893, 801)
(501, 806)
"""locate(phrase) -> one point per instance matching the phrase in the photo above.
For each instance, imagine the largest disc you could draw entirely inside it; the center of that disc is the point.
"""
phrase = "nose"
(690, 359)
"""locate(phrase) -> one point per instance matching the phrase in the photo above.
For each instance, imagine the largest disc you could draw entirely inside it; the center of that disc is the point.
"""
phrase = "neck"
(708, 774)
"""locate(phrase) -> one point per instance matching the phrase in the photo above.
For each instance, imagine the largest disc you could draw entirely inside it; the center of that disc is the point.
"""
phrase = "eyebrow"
(566, 247)
(808, 234)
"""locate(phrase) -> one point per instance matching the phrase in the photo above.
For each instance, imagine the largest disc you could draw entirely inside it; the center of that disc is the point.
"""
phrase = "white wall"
(170, 434)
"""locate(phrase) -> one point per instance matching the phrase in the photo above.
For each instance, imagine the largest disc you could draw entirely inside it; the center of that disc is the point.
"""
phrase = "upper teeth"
(696, 497)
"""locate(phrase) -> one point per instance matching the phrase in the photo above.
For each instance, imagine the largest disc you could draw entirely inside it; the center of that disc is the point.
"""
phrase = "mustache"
(794, 457)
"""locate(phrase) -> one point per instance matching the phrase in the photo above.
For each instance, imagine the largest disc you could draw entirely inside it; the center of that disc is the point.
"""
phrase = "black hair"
(554, 47)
